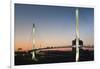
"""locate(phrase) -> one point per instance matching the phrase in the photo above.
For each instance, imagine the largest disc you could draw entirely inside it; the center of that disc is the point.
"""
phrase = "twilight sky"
(55, 25)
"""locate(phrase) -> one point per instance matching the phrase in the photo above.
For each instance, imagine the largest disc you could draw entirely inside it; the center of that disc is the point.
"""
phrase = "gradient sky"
(55, 25)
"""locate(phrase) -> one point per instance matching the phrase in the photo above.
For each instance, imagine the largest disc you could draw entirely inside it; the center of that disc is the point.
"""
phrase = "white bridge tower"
(77, 35)
(33, 41)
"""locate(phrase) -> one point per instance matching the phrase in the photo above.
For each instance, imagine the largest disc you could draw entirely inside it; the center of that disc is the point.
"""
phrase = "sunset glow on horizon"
(54, 26)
